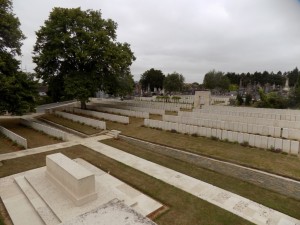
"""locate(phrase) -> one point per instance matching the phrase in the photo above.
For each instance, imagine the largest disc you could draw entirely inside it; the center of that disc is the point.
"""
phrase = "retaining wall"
(46, 129)
(269, 181)
(51, 109)
(270, 115)
(99, 115)
(234, 126)
(258, 141)
(253, 110)
(143, 104)
(249, 120)
(121, 111)
(159, 105)
(81, 119)
(14, 137)
(119, 105)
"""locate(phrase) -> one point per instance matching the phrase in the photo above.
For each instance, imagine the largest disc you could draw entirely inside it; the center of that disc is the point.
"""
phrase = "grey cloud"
(190, 36)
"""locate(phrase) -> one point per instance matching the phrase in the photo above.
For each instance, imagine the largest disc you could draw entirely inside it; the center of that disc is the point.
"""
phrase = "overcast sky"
(190, 37)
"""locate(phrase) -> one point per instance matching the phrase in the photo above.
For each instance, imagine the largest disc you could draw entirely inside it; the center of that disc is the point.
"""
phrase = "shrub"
(173, 131)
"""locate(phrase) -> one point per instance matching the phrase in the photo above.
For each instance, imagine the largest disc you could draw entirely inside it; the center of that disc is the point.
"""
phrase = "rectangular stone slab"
(73, 179)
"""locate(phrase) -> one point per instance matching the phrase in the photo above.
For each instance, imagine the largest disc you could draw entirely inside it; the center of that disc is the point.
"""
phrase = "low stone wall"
(170, 106)
(121, 111)
(269, 181)
(252, 110)
(119, 105)
(46, 129)
(258, 141)
(81, 119)
(14, 137)
(220, 100)
(271, 115)
(233, 126)
(242, 119)
(99, 115)
(51, 109)
(149, 110)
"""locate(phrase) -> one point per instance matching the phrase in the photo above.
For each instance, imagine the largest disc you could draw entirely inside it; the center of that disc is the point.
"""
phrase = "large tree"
(216, 79)
(17, 89)
(152, 78)
(81, 48)
(174, 82)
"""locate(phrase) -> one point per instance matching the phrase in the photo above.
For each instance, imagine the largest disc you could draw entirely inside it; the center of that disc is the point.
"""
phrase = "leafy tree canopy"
(17, 89)
(261, 78)
(293, 77)
(153, 78)
(10, 32)
(271, 100)
(174, 82)
(18, 94)
(216, 79)
(81, 49)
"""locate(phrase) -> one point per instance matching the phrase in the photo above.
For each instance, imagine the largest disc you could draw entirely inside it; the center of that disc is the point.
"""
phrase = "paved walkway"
(47, 148)
(245, 208)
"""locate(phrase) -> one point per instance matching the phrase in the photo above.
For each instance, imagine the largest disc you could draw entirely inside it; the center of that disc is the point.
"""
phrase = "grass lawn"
(6, 145)
(277, 163)
(34, 138)
(184, 208)
(71, 124)
(266, 197)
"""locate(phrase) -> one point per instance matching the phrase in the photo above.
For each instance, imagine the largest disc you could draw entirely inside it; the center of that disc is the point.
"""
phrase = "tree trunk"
(83, 104)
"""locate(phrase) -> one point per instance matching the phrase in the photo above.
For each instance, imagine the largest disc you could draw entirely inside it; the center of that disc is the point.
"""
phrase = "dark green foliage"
(216, 79)
(17, 89)
(272, 100)
(152, 78)
(293, 77)
(174, 82)
(239, 99)
(248, 99)
(257, 78)
(18, 94)
(294, 98)
(10, 33)
(78, 50)
(56, 89)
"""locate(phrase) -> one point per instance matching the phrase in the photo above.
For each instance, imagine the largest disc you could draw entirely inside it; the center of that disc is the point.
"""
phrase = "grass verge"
(7, 146)
(285, 165)
(186, 208)
(266, 197)
(34, 138)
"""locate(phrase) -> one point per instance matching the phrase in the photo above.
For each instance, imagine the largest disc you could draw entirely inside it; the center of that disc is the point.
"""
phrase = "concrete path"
(245, 208)
(47, 148)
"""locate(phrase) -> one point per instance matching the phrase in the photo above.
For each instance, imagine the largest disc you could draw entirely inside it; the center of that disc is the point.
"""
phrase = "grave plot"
(251, 191)
(34, 138)
(286, 165)
(80, 127)
(117, 111)
(98, 115)
(6, 145)
(176, 201)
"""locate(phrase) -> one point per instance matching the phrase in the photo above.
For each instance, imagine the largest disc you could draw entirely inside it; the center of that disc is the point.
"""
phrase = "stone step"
(37, 202)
